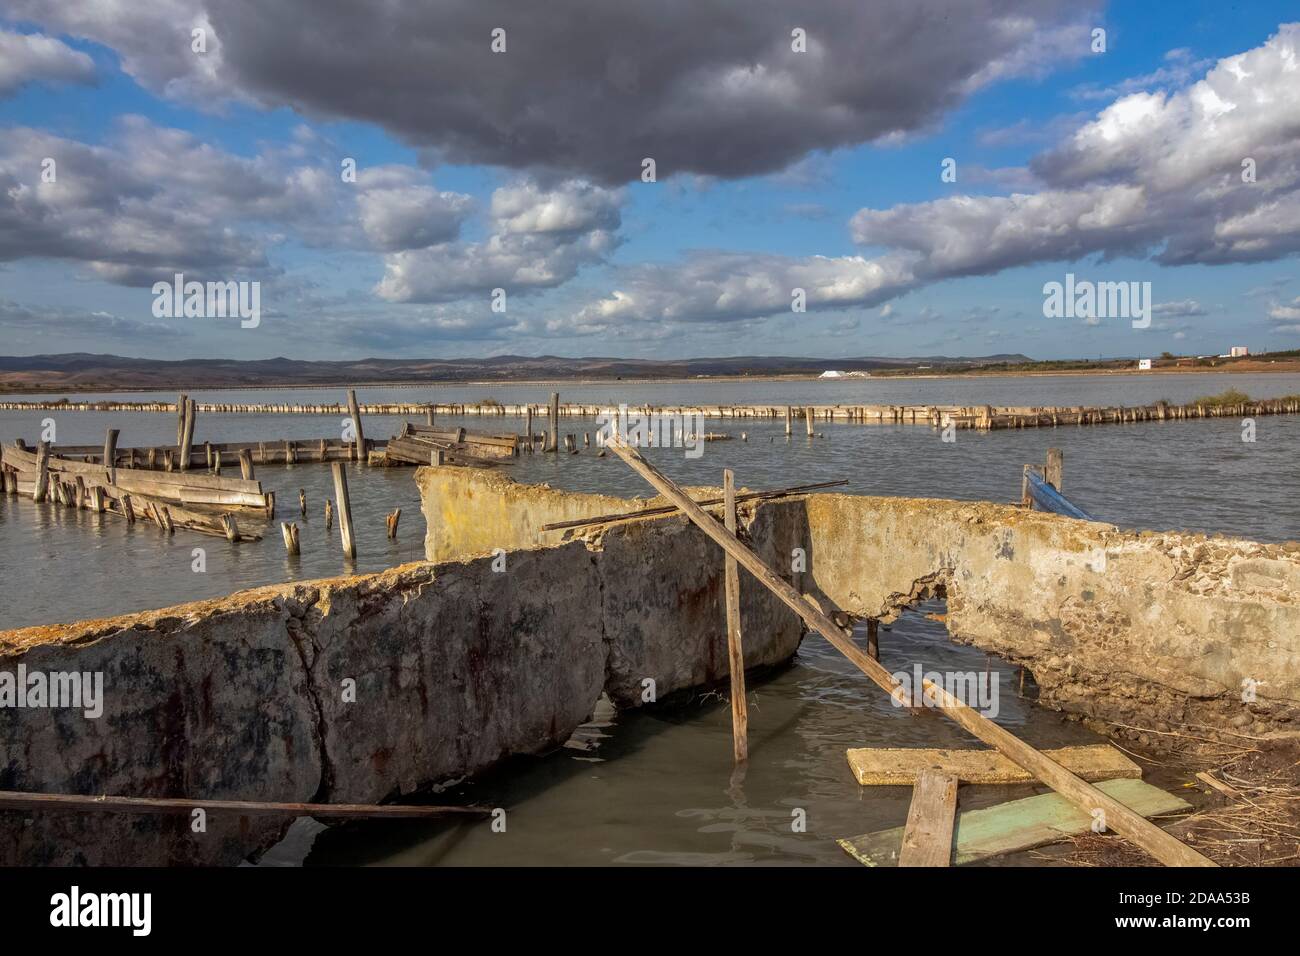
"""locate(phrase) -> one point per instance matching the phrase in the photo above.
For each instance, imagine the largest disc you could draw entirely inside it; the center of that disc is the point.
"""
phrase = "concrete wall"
(1151, 630)
(456, 665)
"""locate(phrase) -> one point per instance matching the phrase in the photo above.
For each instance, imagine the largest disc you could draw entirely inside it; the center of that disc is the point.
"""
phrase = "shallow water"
(654, 786)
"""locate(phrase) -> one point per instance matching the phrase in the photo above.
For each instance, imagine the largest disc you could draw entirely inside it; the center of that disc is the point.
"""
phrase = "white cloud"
(34, 58)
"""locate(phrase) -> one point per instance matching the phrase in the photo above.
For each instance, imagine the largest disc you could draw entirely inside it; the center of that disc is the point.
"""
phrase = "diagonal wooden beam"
(1088, 798)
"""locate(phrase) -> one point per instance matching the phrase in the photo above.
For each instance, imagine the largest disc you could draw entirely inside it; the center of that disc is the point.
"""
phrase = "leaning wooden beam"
(927, 837)
(15, 800)
(345, 509)
(735, 648)
(355, 411)
(705, 503)
(1088, 798)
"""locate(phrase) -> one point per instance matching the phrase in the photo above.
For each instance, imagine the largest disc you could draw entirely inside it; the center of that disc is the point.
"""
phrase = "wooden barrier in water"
(976, 417)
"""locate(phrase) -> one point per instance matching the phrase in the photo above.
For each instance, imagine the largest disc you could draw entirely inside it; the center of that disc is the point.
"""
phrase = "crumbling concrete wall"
(361, 688)
(1156, 631)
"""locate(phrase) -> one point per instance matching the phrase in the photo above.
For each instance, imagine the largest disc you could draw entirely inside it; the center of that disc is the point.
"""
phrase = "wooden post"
(128, 512)
(528, 426)
(391, 521)
(110, 455)
(216, 461)
(182, 410)
(302, 501)
(927, 838)
(1161, 845)
(289, 531)
(345, 509)
(187, 434)
(808, 417)
(231, 527)
(428, 414)
(359, 449)
(1055, 465)
(329, 514)
(42, 471)
(735, 649)
(789, 420)
(553, 434)
(246, 464)
(873, 638)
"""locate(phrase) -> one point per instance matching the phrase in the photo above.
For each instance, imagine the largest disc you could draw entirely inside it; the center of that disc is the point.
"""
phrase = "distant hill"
(84, 371)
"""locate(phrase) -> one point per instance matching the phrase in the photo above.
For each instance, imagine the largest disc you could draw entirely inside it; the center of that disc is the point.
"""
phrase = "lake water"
(654, 786)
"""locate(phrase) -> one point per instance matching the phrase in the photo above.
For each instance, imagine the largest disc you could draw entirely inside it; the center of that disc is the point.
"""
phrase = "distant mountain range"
(105, 372)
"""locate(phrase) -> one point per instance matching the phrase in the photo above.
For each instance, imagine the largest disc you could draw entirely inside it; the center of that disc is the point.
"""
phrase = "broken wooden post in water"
(873, 638)
(302, 501)
(289, 531)
(246, 464)
(1055, 465)
(231, 527)
(345, 509)
(359, 449)
(391, 521)
(789, 420)
(329, 514)
(735, 649)
(187, 433)
(808, 417)
(553, 433)
(1146, 835)
(42, 471)
(182, 404)
(110, 455)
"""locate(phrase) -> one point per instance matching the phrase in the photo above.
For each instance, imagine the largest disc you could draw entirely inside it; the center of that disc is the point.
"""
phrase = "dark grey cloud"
(591, 89)
(27, 320)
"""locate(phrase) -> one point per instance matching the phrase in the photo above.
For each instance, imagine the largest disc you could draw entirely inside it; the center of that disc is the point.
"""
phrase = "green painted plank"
(1017, 825)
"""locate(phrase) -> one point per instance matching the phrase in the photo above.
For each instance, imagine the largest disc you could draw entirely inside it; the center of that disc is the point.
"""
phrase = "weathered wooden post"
(528, 425)
(329, 514)
(289, 531)
(302, 501)
(110, 455)
(1055, 465)
(735, 649)
(246, 464)
(391, 521)
(345, 509)
(359, 449)
(182, 409)
(808, 417)
(873, 638)
(553, 435)
(231, 527)
(428, 415)
(789, 420)
(187, 433)
(42, 471)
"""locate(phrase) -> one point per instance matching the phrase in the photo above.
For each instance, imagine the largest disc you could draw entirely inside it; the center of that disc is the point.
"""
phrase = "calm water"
(655, 786)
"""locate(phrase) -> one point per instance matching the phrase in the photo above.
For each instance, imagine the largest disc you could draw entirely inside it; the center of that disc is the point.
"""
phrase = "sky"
(452, 178)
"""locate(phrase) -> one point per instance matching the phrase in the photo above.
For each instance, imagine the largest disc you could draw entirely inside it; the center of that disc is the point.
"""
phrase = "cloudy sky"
(794, 146)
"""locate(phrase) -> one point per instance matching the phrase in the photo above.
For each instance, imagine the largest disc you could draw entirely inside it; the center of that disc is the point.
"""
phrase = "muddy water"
(655, 786)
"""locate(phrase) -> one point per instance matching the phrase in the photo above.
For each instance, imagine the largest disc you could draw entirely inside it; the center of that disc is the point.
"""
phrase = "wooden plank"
(735, 647)
(901, 766)
(26, 460)
(1018, 825)
(927, 837)
(1164, 847)
(15, 800)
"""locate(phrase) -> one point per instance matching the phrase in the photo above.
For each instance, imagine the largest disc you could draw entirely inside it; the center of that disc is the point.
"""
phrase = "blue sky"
(517, 170)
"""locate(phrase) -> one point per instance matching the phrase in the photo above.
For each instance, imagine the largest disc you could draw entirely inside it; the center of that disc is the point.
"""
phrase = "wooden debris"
(1018, 824)
(1163, 846)
(345, 509)
(289, 531)
(391, 521)
(927, 837)
(894, 767)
